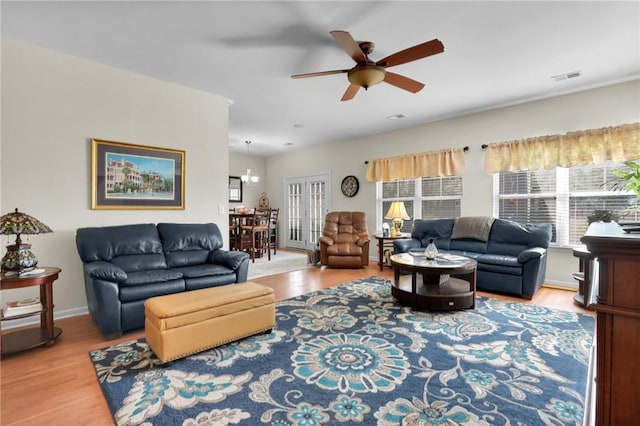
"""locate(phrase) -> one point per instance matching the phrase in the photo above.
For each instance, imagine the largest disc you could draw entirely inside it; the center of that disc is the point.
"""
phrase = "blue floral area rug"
(352, 355)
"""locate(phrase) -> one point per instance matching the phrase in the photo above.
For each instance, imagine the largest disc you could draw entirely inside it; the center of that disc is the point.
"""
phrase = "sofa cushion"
(105, 243)
(140, 262)
(188, 243)
(203, 270)
(141, 292)
(508, 237)
(500, 269)
(186, 258)
(470, 254)
(209, 281)
(474, 227)
(344, 249)
(440, 230)
(499, 259)
(150, 277)
(468, 245)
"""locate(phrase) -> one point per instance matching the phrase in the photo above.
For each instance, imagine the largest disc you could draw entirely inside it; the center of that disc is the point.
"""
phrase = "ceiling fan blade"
(350, 46)
(318, 74)
(403, 82)
(419, 51)
(350, 92)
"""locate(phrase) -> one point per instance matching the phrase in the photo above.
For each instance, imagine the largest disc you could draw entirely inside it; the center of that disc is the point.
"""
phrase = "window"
(424, 198)
(564, 197)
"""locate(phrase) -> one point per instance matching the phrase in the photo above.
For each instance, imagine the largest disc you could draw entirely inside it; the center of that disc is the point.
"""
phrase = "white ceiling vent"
(572, 74)
(396, 117)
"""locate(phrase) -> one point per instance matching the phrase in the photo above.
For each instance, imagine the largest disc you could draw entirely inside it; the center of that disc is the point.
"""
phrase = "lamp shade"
(19, 255)
(397, 210)
(16, 223)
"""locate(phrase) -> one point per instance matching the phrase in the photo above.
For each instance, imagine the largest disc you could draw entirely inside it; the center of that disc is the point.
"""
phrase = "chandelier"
(248, 178)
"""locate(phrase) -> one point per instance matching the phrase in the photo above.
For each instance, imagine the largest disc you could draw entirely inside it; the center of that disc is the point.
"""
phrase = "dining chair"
(234, 231)
(255, 235)
(273, 230)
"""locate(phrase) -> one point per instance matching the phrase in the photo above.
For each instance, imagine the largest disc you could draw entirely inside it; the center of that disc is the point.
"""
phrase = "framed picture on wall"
(235, 189)
(128, 176)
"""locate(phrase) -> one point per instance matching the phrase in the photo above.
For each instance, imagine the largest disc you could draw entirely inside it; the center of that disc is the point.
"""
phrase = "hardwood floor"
(56, 385)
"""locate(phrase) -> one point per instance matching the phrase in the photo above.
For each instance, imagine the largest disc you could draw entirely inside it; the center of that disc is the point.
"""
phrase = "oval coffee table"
(438, 291)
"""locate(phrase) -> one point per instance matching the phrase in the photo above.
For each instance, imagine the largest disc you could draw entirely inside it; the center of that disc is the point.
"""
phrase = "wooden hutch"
(615, 296)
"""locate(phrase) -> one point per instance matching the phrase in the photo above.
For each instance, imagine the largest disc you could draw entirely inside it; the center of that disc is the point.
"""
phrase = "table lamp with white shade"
(398, 213)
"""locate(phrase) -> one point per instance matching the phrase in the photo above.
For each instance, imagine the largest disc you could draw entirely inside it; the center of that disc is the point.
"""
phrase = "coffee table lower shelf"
(453, 294)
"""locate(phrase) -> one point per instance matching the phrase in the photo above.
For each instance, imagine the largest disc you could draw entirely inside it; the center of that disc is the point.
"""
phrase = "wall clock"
(350, 186)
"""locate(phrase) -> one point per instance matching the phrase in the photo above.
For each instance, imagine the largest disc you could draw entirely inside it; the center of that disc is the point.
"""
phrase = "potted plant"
(602, 215)
(630, 178)
(630, 181)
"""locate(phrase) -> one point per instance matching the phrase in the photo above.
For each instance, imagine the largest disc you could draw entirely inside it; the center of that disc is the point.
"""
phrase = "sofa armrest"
(106, 271)
(531, 253)
(238, 261)
(404, 245)
(534, 267)
(230, 259)
(102, 288)
(326, 240)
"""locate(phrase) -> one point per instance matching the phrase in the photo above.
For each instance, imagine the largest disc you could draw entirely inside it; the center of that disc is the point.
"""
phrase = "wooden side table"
(387, 242)
(583, 276)
(28, 338)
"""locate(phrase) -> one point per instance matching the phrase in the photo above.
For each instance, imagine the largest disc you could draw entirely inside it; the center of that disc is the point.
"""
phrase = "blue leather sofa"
(125, 265)
(512, 259)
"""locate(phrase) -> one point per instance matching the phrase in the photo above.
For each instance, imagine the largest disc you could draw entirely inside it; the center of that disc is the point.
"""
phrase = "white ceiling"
(496, 54)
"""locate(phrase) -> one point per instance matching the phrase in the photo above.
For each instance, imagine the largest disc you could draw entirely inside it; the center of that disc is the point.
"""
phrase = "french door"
(308, 199)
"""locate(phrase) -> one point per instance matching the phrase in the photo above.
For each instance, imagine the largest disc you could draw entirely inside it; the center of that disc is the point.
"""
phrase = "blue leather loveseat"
(125, 265)
(511, 258)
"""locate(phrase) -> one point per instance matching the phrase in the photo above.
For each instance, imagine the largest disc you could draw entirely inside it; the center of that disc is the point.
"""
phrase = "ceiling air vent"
(396, 117)
(566, 76)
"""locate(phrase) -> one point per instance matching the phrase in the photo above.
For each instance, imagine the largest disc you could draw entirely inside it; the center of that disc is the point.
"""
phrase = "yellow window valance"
(618, 143)
(447, 162)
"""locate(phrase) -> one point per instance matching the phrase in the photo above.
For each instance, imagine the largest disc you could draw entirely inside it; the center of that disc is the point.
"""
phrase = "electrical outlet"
(221, 209)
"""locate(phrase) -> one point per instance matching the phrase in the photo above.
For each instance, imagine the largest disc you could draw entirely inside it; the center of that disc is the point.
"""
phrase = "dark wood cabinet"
(615, 296)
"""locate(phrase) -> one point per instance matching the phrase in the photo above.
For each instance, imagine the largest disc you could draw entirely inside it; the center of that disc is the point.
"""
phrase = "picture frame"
(128, 176)
(235, 189)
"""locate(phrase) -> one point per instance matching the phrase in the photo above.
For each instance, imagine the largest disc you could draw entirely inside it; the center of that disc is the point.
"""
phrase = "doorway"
(308, 199)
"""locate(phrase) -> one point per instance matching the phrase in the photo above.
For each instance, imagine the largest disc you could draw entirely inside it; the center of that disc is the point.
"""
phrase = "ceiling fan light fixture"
(366, 75)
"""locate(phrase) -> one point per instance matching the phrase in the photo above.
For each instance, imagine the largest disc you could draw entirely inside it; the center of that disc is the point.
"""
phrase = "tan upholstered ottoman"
(181, 324)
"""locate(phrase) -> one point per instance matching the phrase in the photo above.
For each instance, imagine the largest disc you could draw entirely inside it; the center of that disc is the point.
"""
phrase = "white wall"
(53, 105)
(591, 109)
(238, 164)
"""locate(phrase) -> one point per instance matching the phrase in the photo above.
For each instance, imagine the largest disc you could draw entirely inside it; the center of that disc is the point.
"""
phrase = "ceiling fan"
(366, 72)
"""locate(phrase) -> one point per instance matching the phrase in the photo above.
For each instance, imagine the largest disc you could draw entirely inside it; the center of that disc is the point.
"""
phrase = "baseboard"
(562, 285)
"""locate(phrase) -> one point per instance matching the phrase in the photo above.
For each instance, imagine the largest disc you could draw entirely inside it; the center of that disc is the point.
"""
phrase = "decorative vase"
(431, 251)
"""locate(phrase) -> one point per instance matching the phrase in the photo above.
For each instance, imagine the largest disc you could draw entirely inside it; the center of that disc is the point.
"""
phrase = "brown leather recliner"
(345, 240)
